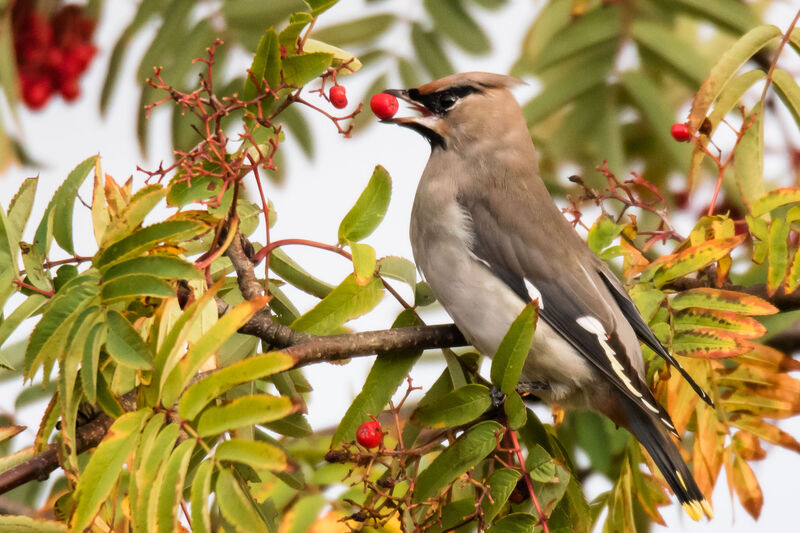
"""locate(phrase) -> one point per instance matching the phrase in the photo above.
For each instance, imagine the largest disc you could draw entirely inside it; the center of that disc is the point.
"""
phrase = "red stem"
(24, 285)
(527, 478)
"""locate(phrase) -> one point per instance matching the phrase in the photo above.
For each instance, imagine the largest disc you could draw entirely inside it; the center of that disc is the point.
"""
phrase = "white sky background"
(318, 194)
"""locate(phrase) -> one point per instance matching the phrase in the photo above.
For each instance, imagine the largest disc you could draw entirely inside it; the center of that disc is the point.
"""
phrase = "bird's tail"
(658, 443)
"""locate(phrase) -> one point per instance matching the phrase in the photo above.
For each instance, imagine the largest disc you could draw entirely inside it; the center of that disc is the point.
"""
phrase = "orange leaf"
(709, 442)
(709, 343)
(723, 300)
(746, 485)
(695, 258)
(743, 326)
(748, 446)
(765, 431)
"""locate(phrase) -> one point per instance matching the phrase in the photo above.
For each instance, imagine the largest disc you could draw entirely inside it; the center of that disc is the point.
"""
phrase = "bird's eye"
(446, 101)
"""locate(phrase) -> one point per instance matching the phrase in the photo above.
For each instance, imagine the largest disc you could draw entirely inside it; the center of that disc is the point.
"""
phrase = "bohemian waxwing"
(488, 238)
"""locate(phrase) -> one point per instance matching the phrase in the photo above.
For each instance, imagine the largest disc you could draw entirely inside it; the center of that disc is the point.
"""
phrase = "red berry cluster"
(51, 53)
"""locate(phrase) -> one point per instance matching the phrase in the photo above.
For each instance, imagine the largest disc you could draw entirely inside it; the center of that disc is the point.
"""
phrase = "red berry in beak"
(384, 105)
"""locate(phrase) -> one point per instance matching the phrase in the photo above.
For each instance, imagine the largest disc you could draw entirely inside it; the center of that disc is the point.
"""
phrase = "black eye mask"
(440, 102)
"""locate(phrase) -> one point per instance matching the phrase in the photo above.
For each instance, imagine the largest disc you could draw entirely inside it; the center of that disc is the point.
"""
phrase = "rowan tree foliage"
(172, 355)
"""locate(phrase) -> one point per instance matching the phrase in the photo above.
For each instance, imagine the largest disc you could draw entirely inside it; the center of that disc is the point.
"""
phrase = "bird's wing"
(575, 304)
(643, 331)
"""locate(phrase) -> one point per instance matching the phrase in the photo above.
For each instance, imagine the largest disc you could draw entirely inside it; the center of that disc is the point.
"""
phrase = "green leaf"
(266, 67)
(507, 363)
(748, 165)
(148, 237)
(320, 6)
(60, 209)
(48, 339)
(789, 92)
(299, 70)
(428, 48)
(514, 523)
(775, 199)
(728, 98)
(235, 504)
(778, 254)
(8, 258)
(201, 488)
(259, 366)
(347, 301)
(340, 57)
(386, 374)
(583, 33)
(722, 300)
(363, 262)
(171, 487)
(466, 452)
(27, 308)
(729, 14)
(516, 412)
(453, 21)
(398, 268)
(648, 97)
(105, 466)
(293, 425)
(139, 206)
(356, 31)
(91, 360)
(136, 286)
(243, 411)
(162, 266)
(305, 513)
(258, 455)
(369, 209)
(501, 484)
(726, 67)
(602, 233)
(19, 209)
(285, 267)
(556, 96)
(124, 343)
(709, 343)
(26, 524)
(458, 407)
(677, 54)
(200, 351)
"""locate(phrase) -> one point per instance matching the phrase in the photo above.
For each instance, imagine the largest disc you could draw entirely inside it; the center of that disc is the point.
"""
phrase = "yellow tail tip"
(707, 508)
(696, 509)
(693, 509)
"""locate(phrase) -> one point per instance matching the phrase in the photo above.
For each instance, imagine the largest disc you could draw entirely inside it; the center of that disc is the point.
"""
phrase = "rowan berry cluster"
(52, 51)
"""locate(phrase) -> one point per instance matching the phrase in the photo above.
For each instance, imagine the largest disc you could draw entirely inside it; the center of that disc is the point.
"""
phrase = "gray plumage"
(488, 238)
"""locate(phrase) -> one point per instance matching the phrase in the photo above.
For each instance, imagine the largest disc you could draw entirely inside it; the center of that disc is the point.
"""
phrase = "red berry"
(70, 89)
(680, 132)
(369, 434)
(36, 90)
(338, 96)
(384, 105)
(83, 54)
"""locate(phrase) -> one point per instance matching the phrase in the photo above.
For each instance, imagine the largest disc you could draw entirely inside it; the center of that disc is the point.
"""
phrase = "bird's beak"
(425, 123)
(424, 117)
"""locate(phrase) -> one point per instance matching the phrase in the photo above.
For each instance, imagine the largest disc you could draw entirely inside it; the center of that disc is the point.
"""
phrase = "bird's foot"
(528, 389)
